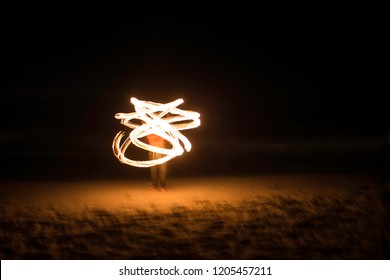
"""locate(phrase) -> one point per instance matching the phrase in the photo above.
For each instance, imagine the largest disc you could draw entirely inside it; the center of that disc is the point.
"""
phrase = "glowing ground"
(324, 216)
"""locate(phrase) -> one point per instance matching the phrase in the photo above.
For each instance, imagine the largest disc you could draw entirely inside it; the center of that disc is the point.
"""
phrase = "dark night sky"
(249, 74)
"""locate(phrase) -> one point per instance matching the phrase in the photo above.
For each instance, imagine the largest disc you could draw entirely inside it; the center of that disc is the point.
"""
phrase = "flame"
(154, 121)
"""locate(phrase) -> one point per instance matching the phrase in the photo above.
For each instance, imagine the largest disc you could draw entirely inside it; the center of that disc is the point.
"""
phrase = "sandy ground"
(300, 216)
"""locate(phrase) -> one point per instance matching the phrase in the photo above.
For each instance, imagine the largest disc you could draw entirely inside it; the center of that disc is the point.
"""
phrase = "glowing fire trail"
(154, 121)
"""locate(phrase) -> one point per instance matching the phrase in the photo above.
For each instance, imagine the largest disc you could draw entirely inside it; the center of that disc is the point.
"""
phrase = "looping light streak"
(154, 120)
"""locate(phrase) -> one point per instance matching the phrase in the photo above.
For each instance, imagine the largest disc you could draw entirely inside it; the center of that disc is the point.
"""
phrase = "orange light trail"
(154, 120)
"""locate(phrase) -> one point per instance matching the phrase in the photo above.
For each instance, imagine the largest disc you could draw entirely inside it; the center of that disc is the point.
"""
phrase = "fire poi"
(164, 120)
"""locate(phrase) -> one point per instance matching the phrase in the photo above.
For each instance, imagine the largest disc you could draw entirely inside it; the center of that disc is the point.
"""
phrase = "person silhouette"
(158, 173)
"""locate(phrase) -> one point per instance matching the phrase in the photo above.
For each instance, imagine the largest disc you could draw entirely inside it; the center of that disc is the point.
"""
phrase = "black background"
(263, 81)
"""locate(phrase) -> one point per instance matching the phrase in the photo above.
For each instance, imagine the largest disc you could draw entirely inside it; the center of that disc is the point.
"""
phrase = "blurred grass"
(278, 227)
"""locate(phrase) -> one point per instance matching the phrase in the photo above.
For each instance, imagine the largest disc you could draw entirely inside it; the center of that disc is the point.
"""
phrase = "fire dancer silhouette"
(158, 173)
(161, 125)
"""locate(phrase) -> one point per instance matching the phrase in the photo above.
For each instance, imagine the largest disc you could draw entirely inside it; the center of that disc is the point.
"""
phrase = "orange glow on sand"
(191, 193)
(154, 121)
(206, 218)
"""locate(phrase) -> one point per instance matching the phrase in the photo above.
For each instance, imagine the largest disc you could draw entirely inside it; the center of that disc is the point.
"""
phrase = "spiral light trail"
(154, 119)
